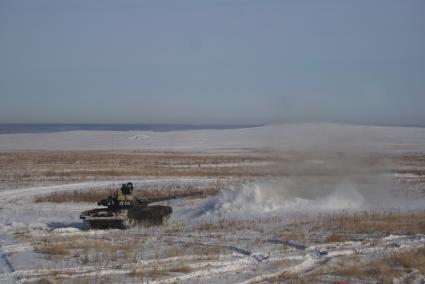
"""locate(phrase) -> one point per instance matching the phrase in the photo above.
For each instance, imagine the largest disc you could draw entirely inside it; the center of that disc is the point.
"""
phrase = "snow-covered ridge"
(285, 136)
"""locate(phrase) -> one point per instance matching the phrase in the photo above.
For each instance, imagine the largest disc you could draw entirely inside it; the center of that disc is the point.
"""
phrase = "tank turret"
(125, 210)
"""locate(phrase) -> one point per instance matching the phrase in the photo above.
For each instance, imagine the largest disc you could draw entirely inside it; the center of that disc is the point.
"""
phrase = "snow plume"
(309, 182)
(280, 196)
(317, 168)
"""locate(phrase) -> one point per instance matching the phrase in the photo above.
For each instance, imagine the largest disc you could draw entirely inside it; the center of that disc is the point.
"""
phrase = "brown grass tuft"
(410, 259)
(336, 238)
(52, 249)
(182, 269)
(137, 273)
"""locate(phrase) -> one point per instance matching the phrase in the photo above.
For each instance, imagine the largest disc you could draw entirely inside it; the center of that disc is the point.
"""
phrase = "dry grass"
(226, 225)
(46, 281)
(204, 251)
(158, 271)
(383, 269)
(75, 196)
(105, 249)
(353, 267)
(53, 250)
(25, 167)
(181, 269)
(215, 250)
(292, 278)
(174, 252)
(368, 222)
(141, 273)
(138, 273)
(336, 238)
(410, 259)
(145, 191)
(340, 227)
(293, 236)
(59, 248)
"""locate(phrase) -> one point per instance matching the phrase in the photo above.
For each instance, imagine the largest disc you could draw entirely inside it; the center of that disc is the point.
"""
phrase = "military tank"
(124, 210)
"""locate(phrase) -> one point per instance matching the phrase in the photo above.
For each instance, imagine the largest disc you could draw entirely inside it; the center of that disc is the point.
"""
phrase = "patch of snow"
(139, 137)
(67, 230)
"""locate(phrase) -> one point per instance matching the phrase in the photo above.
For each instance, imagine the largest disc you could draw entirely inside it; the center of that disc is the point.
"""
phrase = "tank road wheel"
(132, 222)
(165, 219)
(129, 223)
(151, 221)
(87, 224)
(160, 220)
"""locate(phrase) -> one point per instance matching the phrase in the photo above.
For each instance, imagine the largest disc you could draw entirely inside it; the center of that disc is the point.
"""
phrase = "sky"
(212, 62)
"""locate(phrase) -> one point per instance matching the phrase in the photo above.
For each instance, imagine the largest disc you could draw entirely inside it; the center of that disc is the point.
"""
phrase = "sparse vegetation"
(410, 259)
(26, 167)
(223, 225)
(138, 273)
(380, 223)
(78, 246)
(181, 269)
(293, 236)
(75, 196)
(383, 268)
(348, 269)
(335, 238)
(52, 249)
(145, 191)
(155, 271)
(185, 247)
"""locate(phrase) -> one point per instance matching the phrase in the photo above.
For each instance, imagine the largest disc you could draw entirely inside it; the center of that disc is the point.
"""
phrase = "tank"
(123, 210)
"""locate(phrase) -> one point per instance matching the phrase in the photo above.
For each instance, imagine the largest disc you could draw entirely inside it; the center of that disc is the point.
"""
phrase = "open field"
(364, 245)
(266, 215)
(29, 167)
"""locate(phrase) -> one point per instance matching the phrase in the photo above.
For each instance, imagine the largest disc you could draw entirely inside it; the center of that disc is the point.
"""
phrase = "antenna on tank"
(112, 162)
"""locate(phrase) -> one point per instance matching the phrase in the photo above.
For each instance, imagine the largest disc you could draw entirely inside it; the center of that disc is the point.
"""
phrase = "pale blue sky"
(209, 62)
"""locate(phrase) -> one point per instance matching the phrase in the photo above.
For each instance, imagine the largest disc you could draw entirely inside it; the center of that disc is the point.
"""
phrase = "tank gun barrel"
(158, 199)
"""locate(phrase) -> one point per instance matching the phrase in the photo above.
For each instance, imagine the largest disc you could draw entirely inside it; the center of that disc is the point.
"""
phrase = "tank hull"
(124, 218)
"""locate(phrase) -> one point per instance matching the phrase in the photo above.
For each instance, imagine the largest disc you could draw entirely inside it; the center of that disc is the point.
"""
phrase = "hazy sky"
(212, 61)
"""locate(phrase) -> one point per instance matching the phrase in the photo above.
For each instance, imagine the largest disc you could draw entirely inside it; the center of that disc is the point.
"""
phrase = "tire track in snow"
(117, 268)
(6, 268)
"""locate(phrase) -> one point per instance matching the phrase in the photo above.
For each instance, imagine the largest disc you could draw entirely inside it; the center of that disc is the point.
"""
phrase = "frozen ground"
(309, 203)
(202, 250)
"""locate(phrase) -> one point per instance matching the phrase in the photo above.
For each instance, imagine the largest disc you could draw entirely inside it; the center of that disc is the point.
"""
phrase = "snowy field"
(284, 137)
(309, 203)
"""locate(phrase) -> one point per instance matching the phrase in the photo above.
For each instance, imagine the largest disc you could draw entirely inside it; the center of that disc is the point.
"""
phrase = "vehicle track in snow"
(204, 268)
